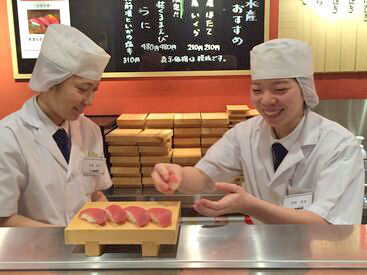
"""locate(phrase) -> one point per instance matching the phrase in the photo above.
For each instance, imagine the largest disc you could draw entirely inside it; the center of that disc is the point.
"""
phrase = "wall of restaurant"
(170, 94)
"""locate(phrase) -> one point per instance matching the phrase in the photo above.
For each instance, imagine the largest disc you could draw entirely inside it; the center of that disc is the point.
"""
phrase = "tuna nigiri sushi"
(94, 215)
(45, 21)
(173, 182)
(137, 215)
(161, 216)
(116, 213)
(37, 23)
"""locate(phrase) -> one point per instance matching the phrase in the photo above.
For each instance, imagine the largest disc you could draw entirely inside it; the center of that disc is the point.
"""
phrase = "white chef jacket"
(35, 179)
(325, 159)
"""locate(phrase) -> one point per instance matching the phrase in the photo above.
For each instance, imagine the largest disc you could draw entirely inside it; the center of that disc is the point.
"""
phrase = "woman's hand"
(98, 196)
(234, 202)
(167, 177)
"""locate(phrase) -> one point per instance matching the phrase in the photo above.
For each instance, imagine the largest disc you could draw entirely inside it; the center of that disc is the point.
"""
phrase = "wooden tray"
(126, 181)
(136, 121)
(218, 120)
(237, 109)
(207, 142)
(160, 119)
(187, 142)
(186, 157)
(187, 132)
(125, 171)
(124, 151)
(123, 137)
(150, 237)
(155, 137)
(187, 120)
(213, 132)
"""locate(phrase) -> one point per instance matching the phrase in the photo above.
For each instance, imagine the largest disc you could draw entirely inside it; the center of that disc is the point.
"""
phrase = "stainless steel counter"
(234, 245)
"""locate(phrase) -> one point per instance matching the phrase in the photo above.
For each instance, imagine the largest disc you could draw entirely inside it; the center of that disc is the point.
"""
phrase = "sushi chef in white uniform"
(298, 166)
(51, 155)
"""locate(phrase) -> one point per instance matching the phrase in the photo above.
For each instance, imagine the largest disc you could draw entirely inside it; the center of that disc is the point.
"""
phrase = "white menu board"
(34, 18)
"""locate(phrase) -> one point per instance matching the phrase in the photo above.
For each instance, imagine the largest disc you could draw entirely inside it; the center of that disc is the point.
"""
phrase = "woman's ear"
(52, 89)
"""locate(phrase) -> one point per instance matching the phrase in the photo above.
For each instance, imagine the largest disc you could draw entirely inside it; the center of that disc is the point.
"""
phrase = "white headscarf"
(286, 58)
(66, 51)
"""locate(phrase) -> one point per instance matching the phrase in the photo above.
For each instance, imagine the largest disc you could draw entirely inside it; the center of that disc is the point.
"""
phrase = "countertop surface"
(233, 245)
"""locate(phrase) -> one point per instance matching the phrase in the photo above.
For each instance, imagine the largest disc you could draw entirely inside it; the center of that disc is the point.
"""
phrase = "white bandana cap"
(286, 58)
(66, 51)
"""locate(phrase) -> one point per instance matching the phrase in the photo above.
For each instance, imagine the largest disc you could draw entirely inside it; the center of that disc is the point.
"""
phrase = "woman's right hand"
(167, 177)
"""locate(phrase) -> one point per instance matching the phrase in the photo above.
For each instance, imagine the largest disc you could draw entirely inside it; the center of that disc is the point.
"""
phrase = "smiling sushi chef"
(298, 166)
(51, 155)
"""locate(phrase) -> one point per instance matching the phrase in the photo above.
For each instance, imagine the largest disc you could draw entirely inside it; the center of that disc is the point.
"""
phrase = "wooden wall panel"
(287, 20)
(348, 43)
(318, 42)
(361, 44)
(339, 42)
(333, 46)
(299, 27)
(307, 20)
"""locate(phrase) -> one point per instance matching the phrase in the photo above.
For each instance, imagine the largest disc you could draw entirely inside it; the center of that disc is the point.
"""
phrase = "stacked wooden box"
(131, 121)
(144, 140)
(155, 146)
(186, 156)
(159, 121)
(214, 125)
(134, 152)
(124, 157)
(236, 114)
(187, 131)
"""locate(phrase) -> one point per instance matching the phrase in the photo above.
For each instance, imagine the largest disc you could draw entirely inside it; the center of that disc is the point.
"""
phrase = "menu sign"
(152, 35)
(34, 17)
(189, 34)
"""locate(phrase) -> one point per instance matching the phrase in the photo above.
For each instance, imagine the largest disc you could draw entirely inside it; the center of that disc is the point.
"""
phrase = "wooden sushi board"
(126, 181)
(207, 142)
(187, 142)
(218, 120)
(123, 151)
(186, 157)
(213, 132)
(150, 237)
(187, 120)
(237, 109)
(123, 137)
(135, 121)
(154, 137)
(187, 132)
(160, 119)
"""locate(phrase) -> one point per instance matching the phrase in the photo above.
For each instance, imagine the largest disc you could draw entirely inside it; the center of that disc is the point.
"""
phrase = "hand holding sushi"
(167, 177)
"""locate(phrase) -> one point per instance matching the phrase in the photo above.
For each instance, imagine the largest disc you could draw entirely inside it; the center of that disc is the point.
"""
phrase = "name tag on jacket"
(298, 201)
(93, 166)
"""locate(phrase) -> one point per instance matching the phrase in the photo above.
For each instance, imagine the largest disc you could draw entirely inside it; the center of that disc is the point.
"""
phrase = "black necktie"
(63, 141)
(279, 153)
